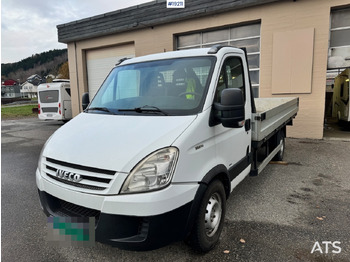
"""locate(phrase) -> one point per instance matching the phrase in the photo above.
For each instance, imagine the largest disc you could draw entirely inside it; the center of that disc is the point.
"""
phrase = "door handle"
(247, 125)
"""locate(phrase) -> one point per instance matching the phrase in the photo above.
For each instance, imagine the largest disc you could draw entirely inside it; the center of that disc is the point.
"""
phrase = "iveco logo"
(68, 176)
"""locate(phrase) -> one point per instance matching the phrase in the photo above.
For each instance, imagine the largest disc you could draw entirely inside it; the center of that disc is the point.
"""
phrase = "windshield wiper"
(145, 108)
(104, 109)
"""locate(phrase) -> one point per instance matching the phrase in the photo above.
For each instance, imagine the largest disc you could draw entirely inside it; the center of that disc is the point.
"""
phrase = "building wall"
(282, 16)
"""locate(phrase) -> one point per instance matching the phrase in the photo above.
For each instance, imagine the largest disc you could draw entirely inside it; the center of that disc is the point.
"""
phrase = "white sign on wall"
(175, 3)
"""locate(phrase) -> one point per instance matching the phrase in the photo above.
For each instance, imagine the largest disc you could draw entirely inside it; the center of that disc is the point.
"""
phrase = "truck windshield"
(162, 87)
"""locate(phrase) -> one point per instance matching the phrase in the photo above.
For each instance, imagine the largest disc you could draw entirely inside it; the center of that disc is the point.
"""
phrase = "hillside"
(42, 64)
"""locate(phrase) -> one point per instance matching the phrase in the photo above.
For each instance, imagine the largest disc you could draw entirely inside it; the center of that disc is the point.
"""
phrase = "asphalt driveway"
(282, 215)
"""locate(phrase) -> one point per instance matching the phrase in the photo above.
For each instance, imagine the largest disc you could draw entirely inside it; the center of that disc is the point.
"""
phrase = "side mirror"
(231, 109)
(85, 100)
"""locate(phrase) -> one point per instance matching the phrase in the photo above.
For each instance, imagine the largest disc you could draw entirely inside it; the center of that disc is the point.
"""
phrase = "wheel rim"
(213, 214)
(282, 147)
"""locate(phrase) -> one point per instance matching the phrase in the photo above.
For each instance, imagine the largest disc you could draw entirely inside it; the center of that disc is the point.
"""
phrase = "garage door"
(101, 61)
(239, 36)
(339, 44)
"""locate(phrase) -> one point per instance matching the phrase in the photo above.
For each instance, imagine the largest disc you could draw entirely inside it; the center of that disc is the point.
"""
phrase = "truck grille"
(49, 109)
(88, 179)
(67, 209)
(61, 208)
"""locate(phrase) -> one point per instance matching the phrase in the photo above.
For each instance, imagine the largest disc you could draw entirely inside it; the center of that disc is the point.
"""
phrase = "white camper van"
(341, 108)
(54, 100)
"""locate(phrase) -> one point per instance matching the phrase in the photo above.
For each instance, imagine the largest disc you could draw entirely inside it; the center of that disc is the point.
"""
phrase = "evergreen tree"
(44, 63)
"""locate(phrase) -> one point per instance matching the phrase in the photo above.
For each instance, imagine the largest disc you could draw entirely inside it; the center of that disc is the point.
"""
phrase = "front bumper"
(142, 221)
(127, 232)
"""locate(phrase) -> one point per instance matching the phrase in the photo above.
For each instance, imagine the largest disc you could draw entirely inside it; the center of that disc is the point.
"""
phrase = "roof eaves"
(106, 24)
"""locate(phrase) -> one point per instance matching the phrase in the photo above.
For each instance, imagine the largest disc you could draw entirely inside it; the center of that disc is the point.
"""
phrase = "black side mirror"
(231, 109)
(85, 100)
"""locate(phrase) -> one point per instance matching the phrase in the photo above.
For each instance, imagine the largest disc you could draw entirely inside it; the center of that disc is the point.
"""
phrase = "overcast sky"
(29, 26)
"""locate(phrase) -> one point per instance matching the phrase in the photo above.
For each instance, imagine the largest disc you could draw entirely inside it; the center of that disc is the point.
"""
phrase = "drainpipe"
(76, 70)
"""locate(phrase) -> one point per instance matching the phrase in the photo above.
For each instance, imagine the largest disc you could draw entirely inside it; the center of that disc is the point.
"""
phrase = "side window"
(68, 91)
(231, 76)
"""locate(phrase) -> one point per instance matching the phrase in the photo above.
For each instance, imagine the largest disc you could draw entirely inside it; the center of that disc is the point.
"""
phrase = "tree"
(49, 79)
(63, 71)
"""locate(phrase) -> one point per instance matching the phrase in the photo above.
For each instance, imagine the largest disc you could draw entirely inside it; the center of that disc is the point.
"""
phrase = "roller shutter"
(239, 36)
(100, 62)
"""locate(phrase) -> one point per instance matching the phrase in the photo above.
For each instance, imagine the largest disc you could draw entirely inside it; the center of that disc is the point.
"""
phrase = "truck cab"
(157, 152)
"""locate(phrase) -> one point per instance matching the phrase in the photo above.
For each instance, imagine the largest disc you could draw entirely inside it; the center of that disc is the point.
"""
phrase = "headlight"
(152, 173)
(41, 153)
(40, 158)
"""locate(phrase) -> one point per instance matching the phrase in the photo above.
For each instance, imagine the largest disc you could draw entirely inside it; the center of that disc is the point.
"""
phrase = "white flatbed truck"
(159, 149)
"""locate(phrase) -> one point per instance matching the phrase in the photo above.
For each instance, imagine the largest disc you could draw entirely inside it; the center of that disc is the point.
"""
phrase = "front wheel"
(210, 219)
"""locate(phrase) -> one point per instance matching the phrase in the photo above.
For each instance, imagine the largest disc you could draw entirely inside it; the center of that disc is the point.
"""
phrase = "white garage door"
(101, 61)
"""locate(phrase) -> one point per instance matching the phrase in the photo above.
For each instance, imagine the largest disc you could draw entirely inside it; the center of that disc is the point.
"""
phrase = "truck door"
(234, 144)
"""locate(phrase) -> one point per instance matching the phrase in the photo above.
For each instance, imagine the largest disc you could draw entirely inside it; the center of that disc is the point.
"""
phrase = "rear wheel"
(210, 219)
(280, 140)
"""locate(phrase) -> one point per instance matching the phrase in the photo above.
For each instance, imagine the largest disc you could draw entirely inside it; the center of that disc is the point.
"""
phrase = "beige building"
(289, 45)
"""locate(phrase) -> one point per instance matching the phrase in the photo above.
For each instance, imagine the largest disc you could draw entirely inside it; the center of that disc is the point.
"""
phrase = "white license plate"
(49, 115)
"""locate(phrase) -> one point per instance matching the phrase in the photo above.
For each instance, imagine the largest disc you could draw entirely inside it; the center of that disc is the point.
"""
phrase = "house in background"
(29, 90)
(10, 89)
(9, 82)
(30, 87)
(35, 80)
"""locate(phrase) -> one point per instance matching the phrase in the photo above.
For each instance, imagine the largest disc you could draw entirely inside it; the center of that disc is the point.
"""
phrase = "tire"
(280, 140)
(338, 117)
(210, 219)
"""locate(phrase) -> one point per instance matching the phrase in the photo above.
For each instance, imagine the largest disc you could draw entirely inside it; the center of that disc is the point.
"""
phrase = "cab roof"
(216, 50)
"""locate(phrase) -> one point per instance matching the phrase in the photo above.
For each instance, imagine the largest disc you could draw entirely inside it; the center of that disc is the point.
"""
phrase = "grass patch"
(8, 112)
